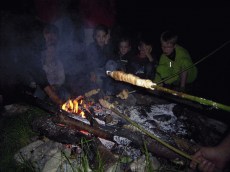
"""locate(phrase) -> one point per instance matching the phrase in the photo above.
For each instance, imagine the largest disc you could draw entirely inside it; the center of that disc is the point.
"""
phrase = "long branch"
(194, 98)
(146, 83)
(111, 107)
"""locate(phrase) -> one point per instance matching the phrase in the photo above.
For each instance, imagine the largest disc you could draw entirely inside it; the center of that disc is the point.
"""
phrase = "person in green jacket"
(175, 66)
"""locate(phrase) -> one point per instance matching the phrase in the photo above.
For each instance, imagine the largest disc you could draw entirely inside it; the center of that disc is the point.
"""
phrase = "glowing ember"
(72, 106)
(84, 132)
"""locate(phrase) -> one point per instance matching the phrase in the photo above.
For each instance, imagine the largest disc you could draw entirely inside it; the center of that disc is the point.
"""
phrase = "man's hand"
(210, 160)
(53, 95)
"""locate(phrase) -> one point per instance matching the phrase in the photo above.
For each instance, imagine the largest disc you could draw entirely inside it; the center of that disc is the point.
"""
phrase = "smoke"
(22, 42)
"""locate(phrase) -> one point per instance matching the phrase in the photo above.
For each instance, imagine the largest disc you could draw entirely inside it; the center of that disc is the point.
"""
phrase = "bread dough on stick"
(132, 79)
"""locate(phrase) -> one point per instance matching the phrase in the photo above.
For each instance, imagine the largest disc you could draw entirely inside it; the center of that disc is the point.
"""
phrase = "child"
(143, 64)
(101, 50)
(120, 62)
(174, 62)
(98, 53)
(125, 53)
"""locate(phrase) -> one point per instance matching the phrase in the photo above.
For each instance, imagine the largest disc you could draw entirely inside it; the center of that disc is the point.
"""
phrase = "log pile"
(70, 134)
(64, 129)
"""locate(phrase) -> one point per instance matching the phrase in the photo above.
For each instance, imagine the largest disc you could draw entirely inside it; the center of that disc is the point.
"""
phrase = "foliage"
(16, 133)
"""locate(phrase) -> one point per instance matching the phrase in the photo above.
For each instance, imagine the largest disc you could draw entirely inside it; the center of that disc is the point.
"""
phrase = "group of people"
(174, 67)
(99, 53)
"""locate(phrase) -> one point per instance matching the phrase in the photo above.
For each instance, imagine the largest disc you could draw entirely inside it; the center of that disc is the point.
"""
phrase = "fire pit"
(84, 119)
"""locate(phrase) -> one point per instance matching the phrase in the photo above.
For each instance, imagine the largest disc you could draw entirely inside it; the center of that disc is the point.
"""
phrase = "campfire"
(107, 122)
(72, 106)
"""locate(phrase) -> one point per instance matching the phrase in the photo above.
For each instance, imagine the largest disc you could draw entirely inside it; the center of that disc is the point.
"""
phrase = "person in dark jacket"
(144, 63)
(125, 53)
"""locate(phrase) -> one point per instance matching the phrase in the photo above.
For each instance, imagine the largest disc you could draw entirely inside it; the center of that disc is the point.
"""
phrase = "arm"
(184, 62)
(42, 81)
(53, 95)
(213, 158)
(148, 50)
(183, 79)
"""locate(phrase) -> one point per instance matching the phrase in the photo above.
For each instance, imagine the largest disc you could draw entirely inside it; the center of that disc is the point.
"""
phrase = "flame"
(72, 106)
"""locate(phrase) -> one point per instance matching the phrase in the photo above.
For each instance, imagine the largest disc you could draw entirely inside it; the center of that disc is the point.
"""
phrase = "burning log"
(70, 133)
(89, 114)
(82, 126)
(137, 139)
(57, 132)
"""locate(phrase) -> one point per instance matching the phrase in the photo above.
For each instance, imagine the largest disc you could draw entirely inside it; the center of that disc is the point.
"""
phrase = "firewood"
(137, 139)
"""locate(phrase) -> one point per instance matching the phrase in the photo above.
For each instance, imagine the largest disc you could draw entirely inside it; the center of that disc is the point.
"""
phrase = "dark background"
(201, 30)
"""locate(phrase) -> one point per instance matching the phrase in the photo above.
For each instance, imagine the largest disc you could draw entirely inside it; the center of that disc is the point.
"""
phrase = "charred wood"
(137, 139)
(90, 117)
(82, 126)
(63, 134)
(69, 135)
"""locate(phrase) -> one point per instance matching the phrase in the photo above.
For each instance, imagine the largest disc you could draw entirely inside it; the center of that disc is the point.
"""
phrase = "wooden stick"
(193, 98)
(111, 107)
(148, 84)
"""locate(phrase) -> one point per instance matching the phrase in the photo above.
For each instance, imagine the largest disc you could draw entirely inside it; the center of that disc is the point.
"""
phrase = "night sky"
(201, 30)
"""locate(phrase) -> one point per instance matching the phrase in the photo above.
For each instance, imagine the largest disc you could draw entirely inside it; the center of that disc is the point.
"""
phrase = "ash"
(159, 117)
(153, 118)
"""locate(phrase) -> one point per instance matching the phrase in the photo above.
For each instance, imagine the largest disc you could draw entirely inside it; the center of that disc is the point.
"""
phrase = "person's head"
(51, 35)
(168, 42)
(101, 35)
(124, 46)
(145, 46)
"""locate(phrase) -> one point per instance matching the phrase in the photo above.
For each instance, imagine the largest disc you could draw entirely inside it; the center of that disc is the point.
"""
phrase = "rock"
(56, 160)
(14, 109)
(140, 165)
(40, 154)
(24, 154)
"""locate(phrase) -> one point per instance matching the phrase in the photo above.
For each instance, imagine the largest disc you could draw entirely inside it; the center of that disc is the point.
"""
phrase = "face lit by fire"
(124, 47)
(101, 38)
(167, 48)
